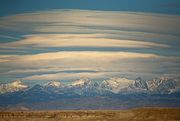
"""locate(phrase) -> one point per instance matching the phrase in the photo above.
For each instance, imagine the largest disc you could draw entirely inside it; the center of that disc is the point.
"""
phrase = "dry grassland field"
(144, 114)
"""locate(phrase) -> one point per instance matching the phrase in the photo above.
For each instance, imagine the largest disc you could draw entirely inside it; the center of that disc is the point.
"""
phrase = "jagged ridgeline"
(114, 93)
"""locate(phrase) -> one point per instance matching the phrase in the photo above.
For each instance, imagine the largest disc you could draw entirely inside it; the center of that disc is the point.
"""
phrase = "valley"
(143, 114)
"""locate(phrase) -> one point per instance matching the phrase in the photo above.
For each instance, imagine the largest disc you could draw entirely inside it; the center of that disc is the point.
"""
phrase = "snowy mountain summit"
(12, 87)
(53, 84)
(162, 85)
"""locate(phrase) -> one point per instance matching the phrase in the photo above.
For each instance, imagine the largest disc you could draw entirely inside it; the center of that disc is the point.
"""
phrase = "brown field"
(145, 114)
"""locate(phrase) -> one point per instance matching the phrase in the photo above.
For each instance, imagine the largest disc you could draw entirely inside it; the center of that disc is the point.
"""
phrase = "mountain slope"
(115, 93)
(162, 85)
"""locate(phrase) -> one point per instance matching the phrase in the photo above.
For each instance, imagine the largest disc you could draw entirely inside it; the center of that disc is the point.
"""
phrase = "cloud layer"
(72, 44)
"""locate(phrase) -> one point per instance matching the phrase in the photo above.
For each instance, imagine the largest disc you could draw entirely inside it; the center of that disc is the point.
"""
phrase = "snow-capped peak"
(116, 84)
(162, 84)
(84, 83)
(17, 84)
(12, 87)
(53, 84)
(79, 82)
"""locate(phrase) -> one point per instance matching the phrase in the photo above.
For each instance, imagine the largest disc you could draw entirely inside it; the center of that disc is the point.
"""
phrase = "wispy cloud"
(60, 63)
(83, 28)
(84, 57)
(79, 40)
(41, 35)
(40, 21)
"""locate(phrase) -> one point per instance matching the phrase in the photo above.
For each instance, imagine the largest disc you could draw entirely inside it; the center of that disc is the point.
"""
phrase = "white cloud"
(65, 76)
(79, 40)
(143, 21)
(141, 26)
(85, 28)
(75, 56)
(103, 63)
(73, 60)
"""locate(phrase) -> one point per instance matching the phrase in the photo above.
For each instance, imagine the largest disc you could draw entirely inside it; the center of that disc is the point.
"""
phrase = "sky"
(95, 39)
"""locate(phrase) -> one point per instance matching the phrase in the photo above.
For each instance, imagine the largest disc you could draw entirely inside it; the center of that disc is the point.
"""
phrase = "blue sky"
(96, 39)
(154, 6)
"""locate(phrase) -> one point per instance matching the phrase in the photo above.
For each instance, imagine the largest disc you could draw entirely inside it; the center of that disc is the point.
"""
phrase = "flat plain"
(143, 114)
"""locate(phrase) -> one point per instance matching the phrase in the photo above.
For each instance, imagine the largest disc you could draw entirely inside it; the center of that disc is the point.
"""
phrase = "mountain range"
(114, 85)
(114, 93)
